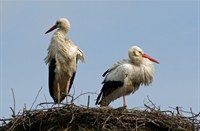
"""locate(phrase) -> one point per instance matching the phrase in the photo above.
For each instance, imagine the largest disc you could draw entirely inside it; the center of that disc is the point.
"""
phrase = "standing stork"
(62, 59)
(126, 76)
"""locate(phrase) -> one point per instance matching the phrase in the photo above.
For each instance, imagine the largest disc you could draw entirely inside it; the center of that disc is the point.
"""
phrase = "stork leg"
(67, 88)
(58, 89)
(124, 101)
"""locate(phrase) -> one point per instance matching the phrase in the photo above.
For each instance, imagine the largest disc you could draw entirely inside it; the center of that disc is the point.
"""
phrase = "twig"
(152, 103)
(13, 110)
(14, 124)
(47, 103)
(148, 107)
(46, 100)
(84, 94)
(72, 115)
(88, 103)
(106, 121)
(36, 98)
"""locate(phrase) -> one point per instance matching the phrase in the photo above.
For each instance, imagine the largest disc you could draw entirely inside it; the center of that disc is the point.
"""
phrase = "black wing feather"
(107, 88)
(52, 67)
(71, 81)
(104, 74)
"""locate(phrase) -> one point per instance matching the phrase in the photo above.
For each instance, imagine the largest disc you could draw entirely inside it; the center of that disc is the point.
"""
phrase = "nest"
(72, 117)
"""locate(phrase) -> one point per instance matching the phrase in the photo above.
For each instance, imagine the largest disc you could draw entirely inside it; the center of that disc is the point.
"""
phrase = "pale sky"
(167, 30)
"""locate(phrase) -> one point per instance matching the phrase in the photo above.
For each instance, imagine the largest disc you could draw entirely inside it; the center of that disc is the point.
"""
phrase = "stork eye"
(140, 52)
(58, 22)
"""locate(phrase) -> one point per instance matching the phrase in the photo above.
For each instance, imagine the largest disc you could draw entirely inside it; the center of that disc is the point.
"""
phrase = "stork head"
(137, 56)
(62, 24)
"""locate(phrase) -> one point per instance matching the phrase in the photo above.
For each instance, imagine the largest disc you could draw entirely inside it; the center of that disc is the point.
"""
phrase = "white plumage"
(125, 76)
(62, 58)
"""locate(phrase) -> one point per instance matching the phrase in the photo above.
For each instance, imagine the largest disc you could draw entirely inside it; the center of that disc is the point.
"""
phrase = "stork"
(62, 59)
(125, 76)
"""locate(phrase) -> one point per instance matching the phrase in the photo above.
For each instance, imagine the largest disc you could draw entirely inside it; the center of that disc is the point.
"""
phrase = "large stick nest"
(72, 117)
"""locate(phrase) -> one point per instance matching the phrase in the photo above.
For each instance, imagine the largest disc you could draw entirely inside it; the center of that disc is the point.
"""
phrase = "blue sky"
(167, 30)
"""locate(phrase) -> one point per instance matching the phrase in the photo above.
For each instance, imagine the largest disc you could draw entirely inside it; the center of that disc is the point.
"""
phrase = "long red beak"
(151, 59)
(51, 29)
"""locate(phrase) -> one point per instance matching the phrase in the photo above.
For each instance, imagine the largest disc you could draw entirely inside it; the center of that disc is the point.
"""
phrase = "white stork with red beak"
(62, 59)
(125, 77)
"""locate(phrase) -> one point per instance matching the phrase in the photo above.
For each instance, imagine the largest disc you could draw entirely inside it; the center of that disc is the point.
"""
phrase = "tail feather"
(108, 88)
(52, 67)
(71, 81)
(98, 98)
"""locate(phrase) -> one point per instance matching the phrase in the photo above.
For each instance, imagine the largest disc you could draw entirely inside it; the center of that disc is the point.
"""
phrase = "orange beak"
(151, 59)
(51, 29)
